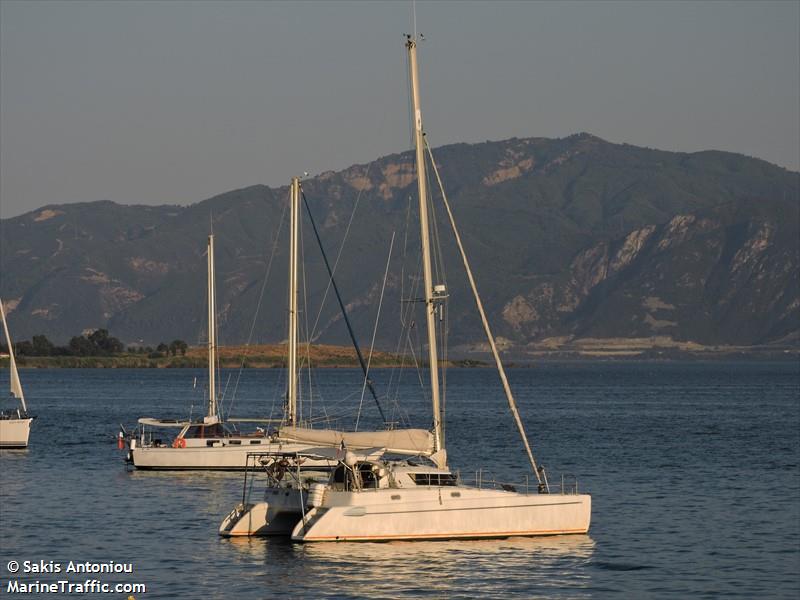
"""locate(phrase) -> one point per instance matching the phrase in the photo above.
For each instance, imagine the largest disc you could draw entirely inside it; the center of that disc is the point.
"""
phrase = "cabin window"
(255, 442)
(205, 431)
(395, 496)
(438, 479)
(235, 442)
(195, 431)
(455, 494)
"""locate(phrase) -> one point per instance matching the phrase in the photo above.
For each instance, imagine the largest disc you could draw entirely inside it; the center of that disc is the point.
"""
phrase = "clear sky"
(174, 102)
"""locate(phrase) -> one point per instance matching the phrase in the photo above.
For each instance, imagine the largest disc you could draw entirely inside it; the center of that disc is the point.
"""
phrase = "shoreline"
(510, 362)
(274, 356)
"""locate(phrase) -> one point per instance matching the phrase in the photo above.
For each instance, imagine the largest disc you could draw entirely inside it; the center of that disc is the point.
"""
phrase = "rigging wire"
(258, 306)
(408, 300)
(332, 283)
(414, 11)
(375, 331)
(339, 255)
(501, 371)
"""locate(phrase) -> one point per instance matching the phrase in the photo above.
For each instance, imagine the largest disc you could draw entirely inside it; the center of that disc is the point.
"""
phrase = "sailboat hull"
(276, 516)
(14, 433)
(442, 513)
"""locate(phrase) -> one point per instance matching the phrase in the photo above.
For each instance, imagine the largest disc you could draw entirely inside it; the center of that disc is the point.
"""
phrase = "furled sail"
(399, 441)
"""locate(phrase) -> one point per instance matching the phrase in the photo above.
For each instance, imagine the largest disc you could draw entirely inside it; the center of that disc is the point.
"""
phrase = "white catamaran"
(15, 423)
(372, 499)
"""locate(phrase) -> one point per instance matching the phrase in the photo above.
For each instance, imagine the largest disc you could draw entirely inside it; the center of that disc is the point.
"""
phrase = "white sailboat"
(378, 499)
(15, 423)
(211, 445)
(207, 444)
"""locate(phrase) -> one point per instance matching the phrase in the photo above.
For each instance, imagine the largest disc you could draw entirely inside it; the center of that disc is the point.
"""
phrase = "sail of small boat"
(15, 385)
(14, 424)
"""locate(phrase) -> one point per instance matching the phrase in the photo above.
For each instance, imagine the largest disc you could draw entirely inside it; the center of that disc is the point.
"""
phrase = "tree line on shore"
(97, 343)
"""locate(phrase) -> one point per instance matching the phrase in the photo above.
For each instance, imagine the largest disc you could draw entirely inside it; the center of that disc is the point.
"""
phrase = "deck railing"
(568, 485)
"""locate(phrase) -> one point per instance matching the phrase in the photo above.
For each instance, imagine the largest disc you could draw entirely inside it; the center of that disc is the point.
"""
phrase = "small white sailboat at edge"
(15, 424)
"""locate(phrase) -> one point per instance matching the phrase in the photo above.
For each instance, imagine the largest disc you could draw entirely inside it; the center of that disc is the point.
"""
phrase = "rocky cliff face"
(691, 278)
(569, 238)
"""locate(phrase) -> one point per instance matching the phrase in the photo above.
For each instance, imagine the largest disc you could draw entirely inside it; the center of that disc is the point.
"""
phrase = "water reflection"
(542, 567)
(208, 495)
(11, 454)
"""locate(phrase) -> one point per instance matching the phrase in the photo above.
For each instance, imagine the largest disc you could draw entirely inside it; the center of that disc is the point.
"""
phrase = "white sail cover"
(399, 441)
(162, 422)
(16, 386)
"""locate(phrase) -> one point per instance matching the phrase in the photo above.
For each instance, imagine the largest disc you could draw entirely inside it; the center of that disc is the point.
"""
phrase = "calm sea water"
(694, 469)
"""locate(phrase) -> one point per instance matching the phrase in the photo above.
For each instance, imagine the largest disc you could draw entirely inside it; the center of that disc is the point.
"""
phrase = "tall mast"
(430, 305)
(15, 385)
(294, 201)
(212, 333)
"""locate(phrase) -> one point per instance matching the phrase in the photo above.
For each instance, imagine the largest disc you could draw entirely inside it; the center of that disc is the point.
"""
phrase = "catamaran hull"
(216, 458)
(277, 517)
(14, 433)
(441, 513)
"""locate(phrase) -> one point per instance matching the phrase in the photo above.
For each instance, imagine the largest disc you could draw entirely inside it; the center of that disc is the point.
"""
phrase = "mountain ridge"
(572, 237)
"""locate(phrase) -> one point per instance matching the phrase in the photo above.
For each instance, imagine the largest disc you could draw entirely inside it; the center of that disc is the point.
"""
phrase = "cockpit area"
(365, 475)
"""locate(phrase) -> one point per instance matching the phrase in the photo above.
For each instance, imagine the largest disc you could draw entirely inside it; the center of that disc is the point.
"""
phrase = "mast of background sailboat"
(294, 201)
(430, 306)
(212, 332)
